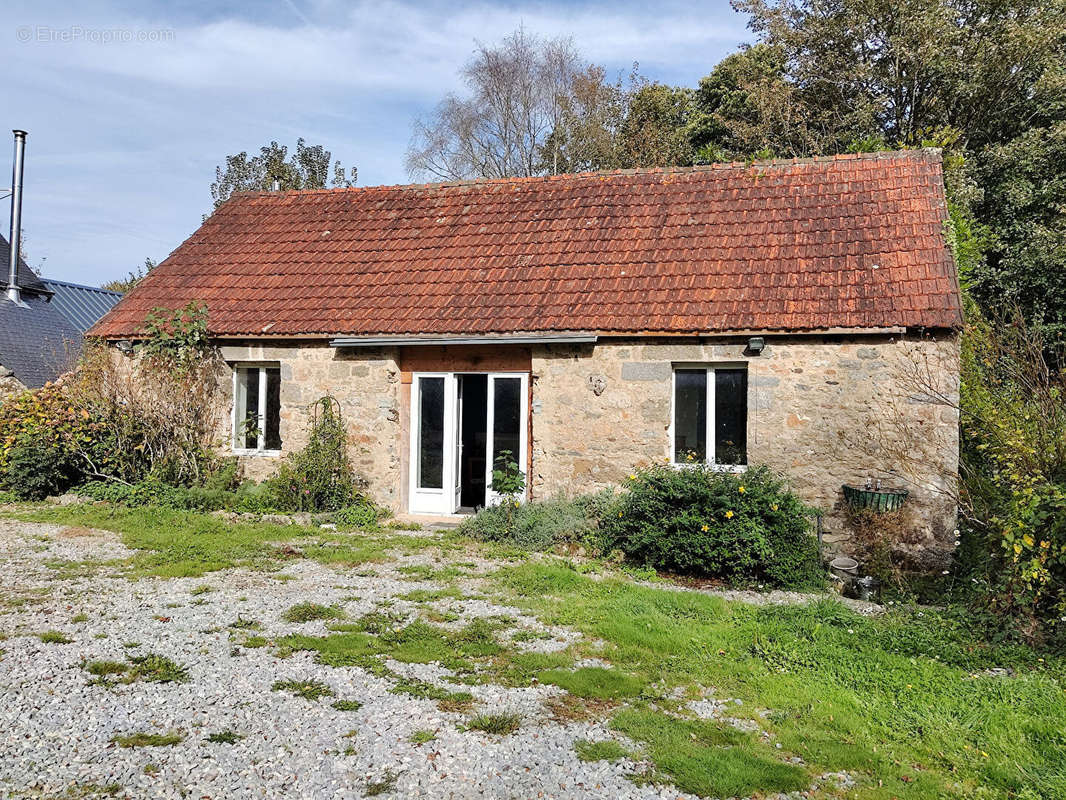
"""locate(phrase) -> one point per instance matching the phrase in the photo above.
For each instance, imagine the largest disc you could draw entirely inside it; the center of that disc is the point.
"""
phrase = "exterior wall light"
(756, 345)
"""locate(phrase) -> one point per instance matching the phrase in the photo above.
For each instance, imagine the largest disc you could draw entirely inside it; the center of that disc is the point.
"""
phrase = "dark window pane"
(506, 422)
(690, 415)
(273, 409)
(431, 433)
(731, 416)
(248, 416)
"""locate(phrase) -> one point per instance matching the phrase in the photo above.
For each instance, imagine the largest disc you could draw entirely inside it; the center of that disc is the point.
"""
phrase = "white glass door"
(507, 427)
(433, 403)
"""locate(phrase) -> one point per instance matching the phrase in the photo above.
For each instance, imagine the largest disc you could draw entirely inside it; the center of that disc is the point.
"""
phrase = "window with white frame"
(257, 407)
(710, 422)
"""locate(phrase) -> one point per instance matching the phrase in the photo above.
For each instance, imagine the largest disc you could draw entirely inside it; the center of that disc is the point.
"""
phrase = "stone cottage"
(782, 313)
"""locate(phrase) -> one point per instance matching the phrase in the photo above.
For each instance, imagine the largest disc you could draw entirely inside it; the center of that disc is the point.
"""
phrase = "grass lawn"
(909, 703)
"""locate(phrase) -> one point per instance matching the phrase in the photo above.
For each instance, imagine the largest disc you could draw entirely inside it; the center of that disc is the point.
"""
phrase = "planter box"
(874, 499)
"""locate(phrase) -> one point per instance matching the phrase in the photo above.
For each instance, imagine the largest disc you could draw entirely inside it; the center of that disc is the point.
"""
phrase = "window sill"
(258, 453)
(734, 468)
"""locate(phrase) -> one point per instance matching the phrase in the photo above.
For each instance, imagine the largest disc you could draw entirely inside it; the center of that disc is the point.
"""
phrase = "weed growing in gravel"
(498, 724)
(347, 705)
(256, 642)
(148, 739)
(309, 690)
(427, 691)
(226, 736)
(54, 637)
(305, 612)
(157, 669)
(566, 708)
(421, 737)
(83, 617)
(104, 668)
(386, 783)
(603, 750)
(203, 588)
(242, 624)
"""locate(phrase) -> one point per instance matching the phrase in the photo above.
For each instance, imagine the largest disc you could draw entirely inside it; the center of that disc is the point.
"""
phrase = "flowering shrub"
(695, 520)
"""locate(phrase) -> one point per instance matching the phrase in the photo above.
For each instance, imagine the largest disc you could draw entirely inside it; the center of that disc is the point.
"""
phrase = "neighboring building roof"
(37, 343)
(811, 244)
(81, 305)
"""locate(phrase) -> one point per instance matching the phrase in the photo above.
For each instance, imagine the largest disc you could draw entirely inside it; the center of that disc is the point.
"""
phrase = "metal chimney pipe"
(13, 293)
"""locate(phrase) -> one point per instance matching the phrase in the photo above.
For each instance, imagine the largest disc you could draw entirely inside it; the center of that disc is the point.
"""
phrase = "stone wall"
(366, 384)
(823, 410)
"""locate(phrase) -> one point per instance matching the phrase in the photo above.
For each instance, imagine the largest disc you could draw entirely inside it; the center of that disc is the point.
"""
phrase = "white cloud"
(124, 136)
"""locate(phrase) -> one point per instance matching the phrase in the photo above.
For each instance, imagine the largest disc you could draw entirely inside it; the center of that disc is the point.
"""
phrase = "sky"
(131, 106)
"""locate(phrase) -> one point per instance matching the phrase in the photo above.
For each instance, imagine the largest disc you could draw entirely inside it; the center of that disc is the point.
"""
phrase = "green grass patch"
(431, 595)
(597, 682)
(182, 544)
(148, 739)
(309, 690)
(709, 759)
(78, 618)
(306, 612)
(54, 637)
(385, 783)
(497, 724)
(902, 701)
(242, 624)
(603, 750)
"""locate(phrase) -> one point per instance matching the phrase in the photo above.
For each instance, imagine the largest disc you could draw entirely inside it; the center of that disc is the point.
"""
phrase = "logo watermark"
(77, 33)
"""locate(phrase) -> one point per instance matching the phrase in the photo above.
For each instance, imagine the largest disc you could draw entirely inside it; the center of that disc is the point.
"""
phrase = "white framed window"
(256, 408)
(709, 418)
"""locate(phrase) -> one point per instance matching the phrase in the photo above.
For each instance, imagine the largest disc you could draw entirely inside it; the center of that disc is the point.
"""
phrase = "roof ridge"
(923, 153)
(99, 289)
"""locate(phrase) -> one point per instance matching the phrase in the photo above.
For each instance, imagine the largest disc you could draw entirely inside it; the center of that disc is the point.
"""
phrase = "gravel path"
(58, 724)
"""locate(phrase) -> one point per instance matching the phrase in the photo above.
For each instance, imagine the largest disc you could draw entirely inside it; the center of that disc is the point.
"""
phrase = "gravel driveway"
(59, 721)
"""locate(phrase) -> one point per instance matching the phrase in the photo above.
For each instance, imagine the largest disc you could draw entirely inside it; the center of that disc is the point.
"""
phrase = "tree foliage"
(132, 279)
(308, 168)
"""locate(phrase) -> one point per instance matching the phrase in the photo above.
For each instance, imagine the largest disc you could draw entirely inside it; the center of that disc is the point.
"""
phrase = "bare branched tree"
(517, 92)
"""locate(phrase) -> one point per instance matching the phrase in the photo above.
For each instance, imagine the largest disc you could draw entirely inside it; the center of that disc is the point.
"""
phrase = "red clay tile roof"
(843, 242)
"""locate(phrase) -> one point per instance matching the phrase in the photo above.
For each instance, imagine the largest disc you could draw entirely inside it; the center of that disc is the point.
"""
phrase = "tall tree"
(499, 129)
(308, 168)
(900, 68)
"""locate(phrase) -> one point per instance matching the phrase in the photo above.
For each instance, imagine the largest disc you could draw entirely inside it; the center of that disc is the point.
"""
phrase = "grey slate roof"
(37, 342)
(81, 305)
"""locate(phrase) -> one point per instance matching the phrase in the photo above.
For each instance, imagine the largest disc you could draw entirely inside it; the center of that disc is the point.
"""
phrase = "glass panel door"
(433, 403)
(508, 429)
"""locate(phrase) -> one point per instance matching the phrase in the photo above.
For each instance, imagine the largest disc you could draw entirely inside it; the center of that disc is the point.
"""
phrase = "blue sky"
(130, 106)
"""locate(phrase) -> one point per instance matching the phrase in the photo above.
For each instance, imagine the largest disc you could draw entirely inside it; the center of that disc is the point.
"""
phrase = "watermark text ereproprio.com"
(78, 33)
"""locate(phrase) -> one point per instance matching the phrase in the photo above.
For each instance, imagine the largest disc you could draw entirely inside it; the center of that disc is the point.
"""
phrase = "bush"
(37, 468)
(698, 521)
(362, 514)
(540, 525)
(319, 477)
(1013, 470)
